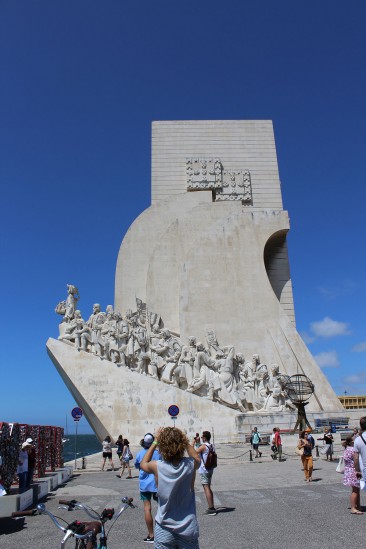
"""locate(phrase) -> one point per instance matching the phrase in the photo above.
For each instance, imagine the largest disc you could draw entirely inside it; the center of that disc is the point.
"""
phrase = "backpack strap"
(362, 438)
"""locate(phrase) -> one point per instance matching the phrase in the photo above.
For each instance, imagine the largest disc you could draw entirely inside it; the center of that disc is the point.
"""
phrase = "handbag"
(299, 451)
(340, 466)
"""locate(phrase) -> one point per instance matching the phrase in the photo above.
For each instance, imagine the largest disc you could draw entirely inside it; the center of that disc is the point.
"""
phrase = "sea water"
(85, 446)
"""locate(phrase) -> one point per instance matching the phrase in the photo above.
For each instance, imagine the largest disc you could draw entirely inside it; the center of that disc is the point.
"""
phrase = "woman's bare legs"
(355, 501)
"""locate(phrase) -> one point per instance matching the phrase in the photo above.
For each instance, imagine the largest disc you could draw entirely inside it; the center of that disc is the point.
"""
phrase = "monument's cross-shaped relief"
(208, 174)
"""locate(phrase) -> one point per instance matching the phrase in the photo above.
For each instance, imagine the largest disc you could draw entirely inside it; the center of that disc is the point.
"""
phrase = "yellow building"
(353, 402)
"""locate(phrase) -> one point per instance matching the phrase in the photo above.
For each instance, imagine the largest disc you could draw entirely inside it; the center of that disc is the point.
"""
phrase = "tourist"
(125, 460)
(307, 457)
(107, 452)
(206, 473)
(197, 441)
(273, 445)
(255, 440)
(360, 451)
(31, 461)
(176, 523)
(355, 433)
(278, 443)
(148, 487)
(350, 476)
(22, 469)
(310, 437)
(119, 445)
(327, 450)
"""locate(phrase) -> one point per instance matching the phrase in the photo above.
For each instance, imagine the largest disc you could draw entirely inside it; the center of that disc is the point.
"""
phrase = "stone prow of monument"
(209, 256)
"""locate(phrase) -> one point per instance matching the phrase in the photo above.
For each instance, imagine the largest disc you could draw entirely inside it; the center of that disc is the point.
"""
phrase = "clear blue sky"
(80, 85)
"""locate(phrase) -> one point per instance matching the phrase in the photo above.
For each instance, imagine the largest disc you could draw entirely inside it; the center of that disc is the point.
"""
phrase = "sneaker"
(211, 511)
(149, 539)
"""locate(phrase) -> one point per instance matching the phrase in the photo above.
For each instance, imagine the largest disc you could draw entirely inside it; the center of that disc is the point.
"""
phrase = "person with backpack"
(119, 444)
(208, 463)
(255, 440)
(125, 459)
(273, 444)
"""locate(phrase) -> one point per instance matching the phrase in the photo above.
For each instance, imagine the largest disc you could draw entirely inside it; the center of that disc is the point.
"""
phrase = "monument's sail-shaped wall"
(209, 264)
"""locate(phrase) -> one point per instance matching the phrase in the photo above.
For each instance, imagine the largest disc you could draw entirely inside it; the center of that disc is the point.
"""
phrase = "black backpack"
(211, 458)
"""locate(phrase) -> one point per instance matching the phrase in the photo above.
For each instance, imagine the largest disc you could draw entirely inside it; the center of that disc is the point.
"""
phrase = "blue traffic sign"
(76, 413)
(173, 410)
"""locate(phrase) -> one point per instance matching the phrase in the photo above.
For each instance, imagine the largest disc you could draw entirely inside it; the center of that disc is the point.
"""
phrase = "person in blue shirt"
(148, 488)
(255, 440)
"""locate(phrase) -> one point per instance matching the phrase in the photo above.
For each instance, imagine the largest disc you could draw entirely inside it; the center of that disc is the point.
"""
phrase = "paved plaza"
(262, 504)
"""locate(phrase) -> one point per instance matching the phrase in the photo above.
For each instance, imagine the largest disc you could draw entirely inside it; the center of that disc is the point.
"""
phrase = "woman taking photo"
(176, 526)
(327, 450)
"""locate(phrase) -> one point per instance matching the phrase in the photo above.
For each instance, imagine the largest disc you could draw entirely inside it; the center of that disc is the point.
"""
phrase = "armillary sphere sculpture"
(299, 389)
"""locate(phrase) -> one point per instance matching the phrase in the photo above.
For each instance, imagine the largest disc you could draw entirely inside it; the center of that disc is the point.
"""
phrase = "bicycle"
(85, 533)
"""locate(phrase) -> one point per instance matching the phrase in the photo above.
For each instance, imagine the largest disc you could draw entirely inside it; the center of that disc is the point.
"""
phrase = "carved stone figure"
(203, 372)
(74, 329)
(183, 371)
(168, 349)
(222, 385)
(277, 399)
(245, 390)
(135, 342)
(91, 337)
(138, 346)
(107, 333)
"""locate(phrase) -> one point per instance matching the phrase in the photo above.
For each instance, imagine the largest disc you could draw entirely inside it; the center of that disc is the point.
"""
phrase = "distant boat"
(63, 440)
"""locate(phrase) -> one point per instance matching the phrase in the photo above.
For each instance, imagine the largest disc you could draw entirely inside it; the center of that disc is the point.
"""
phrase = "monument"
(204, 314)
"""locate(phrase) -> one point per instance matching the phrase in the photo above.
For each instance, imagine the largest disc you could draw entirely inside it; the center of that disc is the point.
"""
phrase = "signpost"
(77, 414)
(173, 411)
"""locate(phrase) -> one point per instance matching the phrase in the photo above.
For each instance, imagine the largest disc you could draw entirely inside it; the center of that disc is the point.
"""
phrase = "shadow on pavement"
(225, 509)
(11, 525)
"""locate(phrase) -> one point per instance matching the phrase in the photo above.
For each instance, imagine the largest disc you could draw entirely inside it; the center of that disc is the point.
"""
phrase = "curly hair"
(172, 444)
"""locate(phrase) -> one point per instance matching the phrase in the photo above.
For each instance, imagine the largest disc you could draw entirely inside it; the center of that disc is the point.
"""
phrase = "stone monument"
(204, 314)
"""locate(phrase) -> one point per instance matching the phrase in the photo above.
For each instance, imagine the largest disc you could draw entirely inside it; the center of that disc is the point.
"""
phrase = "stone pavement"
(262, 504)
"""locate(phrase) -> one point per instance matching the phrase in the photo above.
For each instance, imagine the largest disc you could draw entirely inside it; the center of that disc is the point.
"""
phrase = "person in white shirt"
(360, 451)
(22, 470)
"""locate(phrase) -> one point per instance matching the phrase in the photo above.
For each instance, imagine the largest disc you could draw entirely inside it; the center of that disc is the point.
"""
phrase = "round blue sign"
(173, 410)
(77, 413)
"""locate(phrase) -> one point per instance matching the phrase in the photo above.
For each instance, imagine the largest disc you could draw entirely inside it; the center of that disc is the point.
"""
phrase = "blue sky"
(81, 83)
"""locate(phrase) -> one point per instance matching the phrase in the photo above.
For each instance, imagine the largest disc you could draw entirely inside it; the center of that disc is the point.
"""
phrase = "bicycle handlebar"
(68, 502)
(72, 504)
(29, 513)
(41, 508)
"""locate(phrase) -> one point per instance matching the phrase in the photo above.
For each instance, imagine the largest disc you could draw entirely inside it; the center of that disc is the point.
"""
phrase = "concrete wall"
(240, 144)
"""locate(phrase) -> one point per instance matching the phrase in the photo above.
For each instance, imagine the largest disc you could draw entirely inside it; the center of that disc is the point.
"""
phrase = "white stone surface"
(117, 400)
